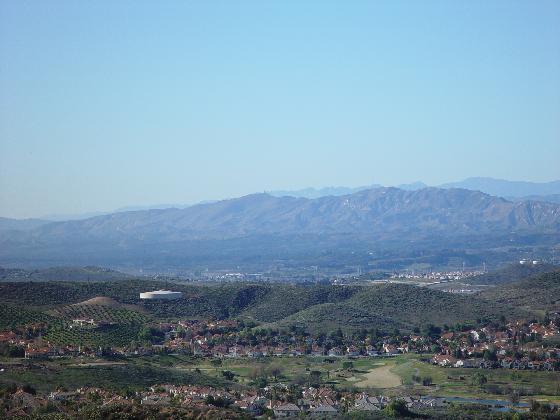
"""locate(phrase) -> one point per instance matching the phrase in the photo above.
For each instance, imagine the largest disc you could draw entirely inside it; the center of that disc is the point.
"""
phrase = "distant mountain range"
(372, 211)
(338, 191)
(93, 274)
(320, 192)
(503, 188)
(261, 224)
(20, 224)
(551, 198)
(513, 190)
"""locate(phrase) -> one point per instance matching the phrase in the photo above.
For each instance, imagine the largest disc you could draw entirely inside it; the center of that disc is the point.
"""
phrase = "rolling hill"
(318, 308)
(512, 273)
(537, 293)
(397, 306)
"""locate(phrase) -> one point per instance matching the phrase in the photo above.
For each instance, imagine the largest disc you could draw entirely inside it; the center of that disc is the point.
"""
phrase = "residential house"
(287, 410)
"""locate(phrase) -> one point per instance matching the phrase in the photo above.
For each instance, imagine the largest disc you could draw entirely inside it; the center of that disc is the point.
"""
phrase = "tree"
(216, 363)
(276, 371)
(490, 354)
(432, 331)
(315, 377)
(427, 381)
(396, 408)
(29, 389)
(514, 396)
(347, 365)
(479, 379)
(228, 374)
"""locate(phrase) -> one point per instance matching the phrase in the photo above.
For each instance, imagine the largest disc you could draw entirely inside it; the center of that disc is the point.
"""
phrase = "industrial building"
(161, 295)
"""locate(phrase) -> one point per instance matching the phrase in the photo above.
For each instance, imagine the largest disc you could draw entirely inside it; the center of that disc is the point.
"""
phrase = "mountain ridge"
(261, 224)
(263, 213)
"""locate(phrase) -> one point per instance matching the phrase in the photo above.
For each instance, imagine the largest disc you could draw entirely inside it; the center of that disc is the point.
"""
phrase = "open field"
(450, 381)
(380, 377)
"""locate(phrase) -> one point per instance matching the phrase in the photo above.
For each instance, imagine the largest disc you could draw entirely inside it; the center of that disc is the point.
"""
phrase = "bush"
(228, 374)
(347, 365)
(29, 389)
(397, 408)
(427, 381)
(479, 379)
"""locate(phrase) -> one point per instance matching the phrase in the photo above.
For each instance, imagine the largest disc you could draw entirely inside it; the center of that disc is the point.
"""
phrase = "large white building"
(161, 294)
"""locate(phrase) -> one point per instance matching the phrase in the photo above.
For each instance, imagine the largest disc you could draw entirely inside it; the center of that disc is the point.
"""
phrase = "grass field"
(451, 381)
(380, 377)
(134, 374)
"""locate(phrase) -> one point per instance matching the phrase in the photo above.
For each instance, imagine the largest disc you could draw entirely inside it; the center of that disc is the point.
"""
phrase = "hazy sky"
(111, 103)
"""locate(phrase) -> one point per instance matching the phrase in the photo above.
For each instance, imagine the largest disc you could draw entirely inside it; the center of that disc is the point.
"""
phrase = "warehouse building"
(161, 295)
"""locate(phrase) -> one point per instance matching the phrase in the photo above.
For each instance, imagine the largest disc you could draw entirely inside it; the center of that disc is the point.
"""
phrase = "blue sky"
(106, 104)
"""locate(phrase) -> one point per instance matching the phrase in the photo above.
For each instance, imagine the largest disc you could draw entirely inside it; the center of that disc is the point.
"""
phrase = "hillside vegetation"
(398, 306)
(512, 273)
(536, 293)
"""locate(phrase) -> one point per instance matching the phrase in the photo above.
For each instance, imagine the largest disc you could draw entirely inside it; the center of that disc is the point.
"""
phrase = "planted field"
(13, 316)
(107, 336)
(100, 313)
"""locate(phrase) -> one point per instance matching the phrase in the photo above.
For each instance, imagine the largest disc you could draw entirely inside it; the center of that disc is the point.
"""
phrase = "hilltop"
(539, 191)
(505, 188)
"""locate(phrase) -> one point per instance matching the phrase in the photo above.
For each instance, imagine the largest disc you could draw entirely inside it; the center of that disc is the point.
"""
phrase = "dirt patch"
(380, 377)
(111, 303)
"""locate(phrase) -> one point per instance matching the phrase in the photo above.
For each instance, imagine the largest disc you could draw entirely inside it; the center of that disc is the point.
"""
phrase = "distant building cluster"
(437, 276)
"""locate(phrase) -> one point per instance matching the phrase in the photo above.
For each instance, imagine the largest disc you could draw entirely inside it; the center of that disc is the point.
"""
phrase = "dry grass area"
(380, 377)
(111, 303)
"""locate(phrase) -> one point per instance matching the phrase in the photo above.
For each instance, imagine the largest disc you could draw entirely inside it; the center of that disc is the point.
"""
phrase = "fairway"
(380, 377)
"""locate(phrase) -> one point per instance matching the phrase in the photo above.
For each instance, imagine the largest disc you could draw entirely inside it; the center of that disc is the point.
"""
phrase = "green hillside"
(281, 301)
(12, 316)
(538, 293)
(317, 307)
(100, 313)
(398, 306)
(512, 273)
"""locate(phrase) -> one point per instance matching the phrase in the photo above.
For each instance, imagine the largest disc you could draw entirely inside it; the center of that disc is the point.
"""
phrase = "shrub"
(397, 408)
